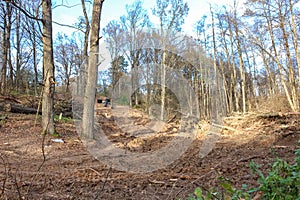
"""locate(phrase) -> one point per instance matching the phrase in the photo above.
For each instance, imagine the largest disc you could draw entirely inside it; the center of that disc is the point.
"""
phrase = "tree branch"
(66, 6)
(25, 12)
(66, 25)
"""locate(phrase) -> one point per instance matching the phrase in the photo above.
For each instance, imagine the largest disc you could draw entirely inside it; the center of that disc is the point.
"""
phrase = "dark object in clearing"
(99, 100)
(106, 102)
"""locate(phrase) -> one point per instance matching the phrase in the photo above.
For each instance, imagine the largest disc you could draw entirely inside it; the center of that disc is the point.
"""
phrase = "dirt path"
(70, 172)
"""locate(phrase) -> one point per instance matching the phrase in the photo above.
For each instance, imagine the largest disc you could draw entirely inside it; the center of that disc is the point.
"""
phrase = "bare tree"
(276, 44)
(87, 30)
(67, 57)
(48, 70)
(171, 14)
(89, 96)
(134, 22)
(115, 40)
(7, 10)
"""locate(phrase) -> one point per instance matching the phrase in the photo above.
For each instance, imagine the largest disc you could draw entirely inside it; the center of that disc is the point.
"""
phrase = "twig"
(66, 6)
(95, 171)
(279, 146)
(106, 178)
(223, 127)
(43, 162)
(17, 186)
(174, 184)
(66, 25)
(171, 119)
(248, 158)
(25, 12)
(13, 176)
(156, 182)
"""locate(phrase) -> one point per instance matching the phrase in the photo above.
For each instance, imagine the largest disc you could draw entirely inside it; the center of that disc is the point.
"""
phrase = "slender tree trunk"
(242, 67)
(295, 39)
(196, 88)
(227, 87)
(214, 41)
(270, 81)
(49, 83)
(35, 67)
(87, 31)
(291, 73)
(277, 60)
(234, 74)
(83, 71)
(11, 69)
(18, 57)
(249, 84)
(148, 88)
(5, 58)
(9, 54)
(163, 83)
(89, 96)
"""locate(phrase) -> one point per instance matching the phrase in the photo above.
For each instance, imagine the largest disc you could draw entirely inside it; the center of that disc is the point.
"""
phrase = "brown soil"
(70, 172)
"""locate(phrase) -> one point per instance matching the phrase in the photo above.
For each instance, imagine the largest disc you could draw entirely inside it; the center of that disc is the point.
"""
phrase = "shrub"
(282, 182)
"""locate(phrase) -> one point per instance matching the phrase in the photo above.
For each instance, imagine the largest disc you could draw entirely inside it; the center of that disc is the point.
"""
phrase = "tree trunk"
(89, 97)
(163, 83)
(87, 31)
(234, 74)
(241, 62)
(49, 84)
(18, 48)
(270, 79)
(5, 57)
(295, 39)
(291, 73)
(35, 67)
(280, 68)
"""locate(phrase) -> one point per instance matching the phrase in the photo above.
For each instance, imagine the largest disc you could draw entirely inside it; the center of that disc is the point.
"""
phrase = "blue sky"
(113, 9)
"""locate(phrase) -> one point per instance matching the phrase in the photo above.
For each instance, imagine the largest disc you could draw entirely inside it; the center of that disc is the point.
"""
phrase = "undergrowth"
(59, 118)
(281, 182)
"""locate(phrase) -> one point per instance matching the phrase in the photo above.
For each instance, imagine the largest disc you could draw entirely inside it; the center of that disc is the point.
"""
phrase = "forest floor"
(33, 166)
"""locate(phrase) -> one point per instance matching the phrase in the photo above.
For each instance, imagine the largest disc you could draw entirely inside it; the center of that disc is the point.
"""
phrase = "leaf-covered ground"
(36, 167)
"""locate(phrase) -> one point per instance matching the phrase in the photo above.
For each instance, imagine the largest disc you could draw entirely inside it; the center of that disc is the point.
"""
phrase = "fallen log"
(17, 108)
(9, 99)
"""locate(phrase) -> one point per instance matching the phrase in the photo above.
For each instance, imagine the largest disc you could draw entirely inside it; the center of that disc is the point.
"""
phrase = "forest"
(191, 115)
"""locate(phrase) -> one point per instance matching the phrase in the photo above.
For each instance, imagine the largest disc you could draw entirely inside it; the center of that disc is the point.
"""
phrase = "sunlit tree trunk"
(277, 60)
(291, 72)
(228, 88)
(234, 74)
(163, 81)
(295, 39)
(241, 62)
(48, 71)
(92, 72)
(87, 30)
